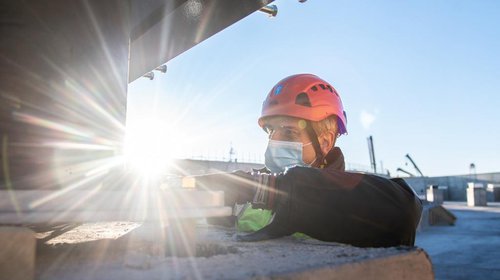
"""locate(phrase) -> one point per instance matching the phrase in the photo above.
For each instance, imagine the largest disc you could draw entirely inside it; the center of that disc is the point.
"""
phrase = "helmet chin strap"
(318, 161)
(313, 162)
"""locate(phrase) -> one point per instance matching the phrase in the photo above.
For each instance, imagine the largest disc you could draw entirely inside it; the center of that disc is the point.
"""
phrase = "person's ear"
(327, 141)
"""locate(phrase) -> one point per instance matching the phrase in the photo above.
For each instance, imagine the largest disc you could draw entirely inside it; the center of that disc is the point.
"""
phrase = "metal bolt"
(149, 75)
(162, 68)
(271, 10)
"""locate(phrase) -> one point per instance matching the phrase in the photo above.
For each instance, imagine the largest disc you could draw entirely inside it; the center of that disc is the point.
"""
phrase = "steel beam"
(174, 27)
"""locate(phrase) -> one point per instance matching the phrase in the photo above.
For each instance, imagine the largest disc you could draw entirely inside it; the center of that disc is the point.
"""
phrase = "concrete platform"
(219, 256)
(468, 250)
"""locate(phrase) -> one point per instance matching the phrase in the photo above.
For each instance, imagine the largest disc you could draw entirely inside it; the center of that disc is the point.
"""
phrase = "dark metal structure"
(371, 151)
(414, 165)
(64, 70)
(404, 171)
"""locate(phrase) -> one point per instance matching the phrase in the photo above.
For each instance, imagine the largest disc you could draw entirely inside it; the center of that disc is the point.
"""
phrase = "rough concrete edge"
(415, 264)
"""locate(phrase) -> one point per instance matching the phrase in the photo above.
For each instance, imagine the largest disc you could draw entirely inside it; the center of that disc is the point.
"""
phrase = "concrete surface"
(17, 253)
(219, 256)
(435, 215)
(468, 250)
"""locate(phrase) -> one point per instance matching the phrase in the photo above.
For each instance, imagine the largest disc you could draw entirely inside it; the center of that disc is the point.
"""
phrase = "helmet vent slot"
(273, 102)
(314, 88)
(303, 100)
(322, 86)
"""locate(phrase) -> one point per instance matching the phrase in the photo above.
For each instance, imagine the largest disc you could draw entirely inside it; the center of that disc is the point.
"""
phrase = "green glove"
(253, 219)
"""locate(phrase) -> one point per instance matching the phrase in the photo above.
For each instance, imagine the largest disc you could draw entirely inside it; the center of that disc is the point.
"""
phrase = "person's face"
(292, 130)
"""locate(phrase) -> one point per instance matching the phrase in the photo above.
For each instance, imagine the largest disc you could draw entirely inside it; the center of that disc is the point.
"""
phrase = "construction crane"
(414, 165)
(404, 171)
(371, 151)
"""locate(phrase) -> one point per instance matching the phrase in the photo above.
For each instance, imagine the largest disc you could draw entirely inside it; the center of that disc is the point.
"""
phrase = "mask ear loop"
(315, 143)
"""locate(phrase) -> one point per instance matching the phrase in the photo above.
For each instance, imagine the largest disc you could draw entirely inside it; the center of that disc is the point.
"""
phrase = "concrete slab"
(468, 250)
(413, 265)
(435, 215)
(17, 253)
(220, 256)
(20, 207)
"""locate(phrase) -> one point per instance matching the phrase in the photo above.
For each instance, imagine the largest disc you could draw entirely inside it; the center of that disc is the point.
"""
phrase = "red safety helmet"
(304, 96)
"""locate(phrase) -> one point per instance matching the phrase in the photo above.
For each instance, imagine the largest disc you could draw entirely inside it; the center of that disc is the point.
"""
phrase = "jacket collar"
(335, 160)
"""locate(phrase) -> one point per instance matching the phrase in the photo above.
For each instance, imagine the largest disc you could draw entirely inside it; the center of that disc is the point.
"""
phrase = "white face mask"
(281, 155)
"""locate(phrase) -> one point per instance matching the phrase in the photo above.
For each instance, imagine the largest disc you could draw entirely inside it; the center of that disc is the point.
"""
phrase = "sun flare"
(148, 147)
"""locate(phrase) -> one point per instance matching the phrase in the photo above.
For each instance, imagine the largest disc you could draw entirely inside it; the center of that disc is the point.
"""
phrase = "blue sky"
(421, 77)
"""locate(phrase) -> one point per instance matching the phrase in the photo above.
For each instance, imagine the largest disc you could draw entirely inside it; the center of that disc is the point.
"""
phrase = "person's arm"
(357, 209)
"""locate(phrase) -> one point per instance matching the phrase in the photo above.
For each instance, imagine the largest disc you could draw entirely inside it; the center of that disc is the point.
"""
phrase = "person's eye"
(291, 135)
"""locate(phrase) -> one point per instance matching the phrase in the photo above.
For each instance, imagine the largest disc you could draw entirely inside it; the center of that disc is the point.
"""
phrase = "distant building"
(455, 185)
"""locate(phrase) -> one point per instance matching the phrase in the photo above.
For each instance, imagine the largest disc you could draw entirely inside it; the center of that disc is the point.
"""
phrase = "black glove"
(275, 193)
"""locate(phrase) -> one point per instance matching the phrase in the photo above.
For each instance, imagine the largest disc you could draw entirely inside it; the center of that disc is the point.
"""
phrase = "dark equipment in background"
(414, 165)
(406, 172)
(371, 150)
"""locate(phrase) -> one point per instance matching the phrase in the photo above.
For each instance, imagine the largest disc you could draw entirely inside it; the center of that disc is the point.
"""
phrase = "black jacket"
(330, 204)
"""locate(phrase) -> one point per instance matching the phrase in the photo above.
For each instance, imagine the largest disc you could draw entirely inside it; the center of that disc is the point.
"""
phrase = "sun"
(148, 147)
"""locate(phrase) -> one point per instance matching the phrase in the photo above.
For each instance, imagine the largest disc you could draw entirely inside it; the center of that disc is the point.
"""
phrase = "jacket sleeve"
(358, 209)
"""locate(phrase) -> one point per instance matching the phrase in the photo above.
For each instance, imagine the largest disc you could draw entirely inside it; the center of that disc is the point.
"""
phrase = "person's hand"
(277, 199)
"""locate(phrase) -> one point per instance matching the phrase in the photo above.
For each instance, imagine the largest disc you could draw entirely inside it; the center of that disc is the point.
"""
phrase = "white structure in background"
(476, 195)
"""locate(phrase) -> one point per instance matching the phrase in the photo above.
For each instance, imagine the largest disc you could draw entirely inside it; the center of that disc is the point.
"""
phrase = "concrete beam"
(173, 27)
(55, 218)
(219, 256)
(63, 84)
(64, 70)
(54, 207)
(21, 201)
